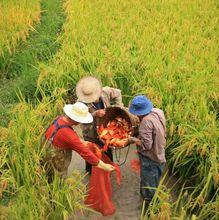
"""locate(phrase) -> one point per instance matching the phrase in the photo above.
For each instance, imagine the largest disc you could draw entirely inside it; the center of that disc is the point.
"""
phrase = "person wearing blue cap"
(150, 143)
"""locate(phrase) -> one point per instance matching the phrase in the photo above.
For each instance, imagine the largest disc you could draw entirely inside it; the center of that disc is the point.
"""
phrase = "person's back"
(150, 143)
(58, 155)
(155, 124)
(89, 90)
(61, 139)
(109, 96)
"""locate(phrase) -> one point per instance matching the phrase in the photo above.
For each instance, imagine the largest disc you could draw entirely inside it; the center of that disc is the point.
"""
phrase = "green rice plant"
(167, 51)
(31, 196)
(5, 178)
(58, 200)
(165, 207)
(16, 19)
(19, 71)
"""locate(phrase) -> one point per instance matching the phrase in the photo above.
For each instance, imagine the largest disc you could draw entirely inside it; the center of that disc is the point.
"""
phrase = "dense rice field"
(16, 19)
(167, 50)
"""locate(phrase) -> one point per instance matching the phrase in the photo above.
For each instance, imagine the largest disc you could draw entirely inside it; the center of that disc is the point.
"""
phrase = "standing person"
(63, 139)
(150, 144)
(90, 91)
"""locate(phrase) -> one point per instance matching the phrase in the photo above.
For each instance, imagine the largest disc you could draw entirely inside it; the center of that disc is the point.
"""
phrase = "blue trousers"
(151, 172)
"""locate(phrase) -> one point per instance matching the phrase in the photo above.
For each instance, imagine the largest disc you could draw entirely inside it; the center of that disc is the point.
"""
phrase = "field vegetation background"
(167, 50)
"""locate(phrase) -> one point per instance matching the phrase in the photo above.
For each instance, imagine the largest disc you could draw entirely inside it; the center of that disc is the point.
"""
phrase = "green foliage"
(16, 19)
(163, 206)
(19, 71)
(31, 196)
(167, 50)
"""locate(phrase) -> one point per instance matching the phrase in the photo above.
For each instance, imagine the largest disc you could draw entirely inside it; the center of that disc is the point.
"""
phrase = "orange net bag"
(100, 191)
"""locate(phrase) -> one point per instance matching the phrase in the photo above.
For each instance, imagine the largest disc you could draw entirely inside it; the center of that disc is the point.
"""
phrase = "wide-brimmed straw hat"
(88, 89)
(140, 105)
(78, 112)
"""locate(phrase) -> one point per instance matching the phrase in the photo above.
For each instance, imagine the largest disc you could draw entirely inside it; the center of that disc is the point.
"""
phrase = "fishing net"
(100, 191)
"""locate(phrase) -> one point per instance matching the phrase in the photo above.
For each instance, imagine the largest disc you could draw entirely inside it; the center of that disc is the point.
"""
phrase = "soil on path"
(126, 197)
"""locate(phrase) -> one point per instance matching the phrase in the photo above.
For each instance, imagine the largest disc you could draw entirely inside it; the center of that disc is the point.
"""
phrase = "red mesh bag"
(100, 192)
(135, 165)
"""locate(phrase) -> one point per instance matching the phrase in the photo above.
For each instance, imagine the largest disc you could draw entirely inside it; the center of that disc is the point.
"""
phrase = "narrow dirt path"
(126, 197)
(19, 71)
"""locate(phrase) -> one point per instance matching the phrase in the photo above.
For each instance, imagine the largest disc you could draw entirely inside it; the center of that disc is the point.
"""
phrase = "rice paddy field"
(16, 19)
(167, 50)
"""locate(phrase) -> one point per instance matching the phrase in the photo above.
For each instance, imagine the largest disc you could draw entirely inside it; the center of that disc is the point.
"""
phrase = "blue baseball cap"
(140, 105)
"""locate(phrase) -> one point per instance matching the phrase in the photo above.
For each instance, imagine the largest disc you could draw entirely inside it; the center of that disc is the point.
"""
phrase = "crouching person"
(61, 139)
(150, 144)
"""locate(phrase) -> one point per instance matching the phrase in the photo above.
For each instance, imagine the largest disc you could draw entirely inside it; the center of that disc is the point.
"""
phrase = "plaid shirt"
(152, 133)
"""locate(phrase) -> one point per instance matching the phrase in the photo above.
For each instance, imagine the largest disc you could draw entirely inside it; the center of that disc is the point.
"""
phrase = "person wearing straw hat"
(89, 90)
(64, 139)
(150, 144)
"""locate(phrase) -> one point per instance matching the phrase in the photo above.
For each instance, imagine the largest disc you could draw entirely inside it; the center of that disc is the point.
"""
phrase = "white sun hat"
(78, 112)
(88, 89)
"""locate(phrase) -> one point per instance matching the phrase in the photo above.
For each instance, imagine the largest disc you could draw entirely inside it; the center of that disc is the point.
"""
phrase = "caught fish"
(116, 133)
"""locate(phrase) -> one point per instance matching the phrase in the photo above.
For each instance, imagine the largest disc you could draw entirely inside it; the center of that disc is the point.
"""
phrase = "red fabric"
(67, 138)
(94, 148)
(100, 192)
(135, 165)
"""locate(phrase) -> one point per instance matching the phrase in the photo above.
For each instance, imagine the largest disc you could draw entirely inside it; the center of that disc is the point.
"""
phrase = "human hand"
(138, 142)
(100, 113)
(85, 143)
(121, 143)
(135, 140)
(105, 166)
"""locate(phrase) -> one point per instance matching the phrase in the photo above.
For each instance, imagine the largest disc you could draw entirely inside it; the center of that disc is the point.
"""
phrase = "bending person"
(150, 144)
(62, 139)
(90, 91)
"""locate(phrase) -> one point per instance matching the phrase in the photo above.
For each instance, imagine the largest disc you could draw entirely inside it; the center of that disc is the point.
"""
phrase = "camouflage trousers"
(56, 160)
